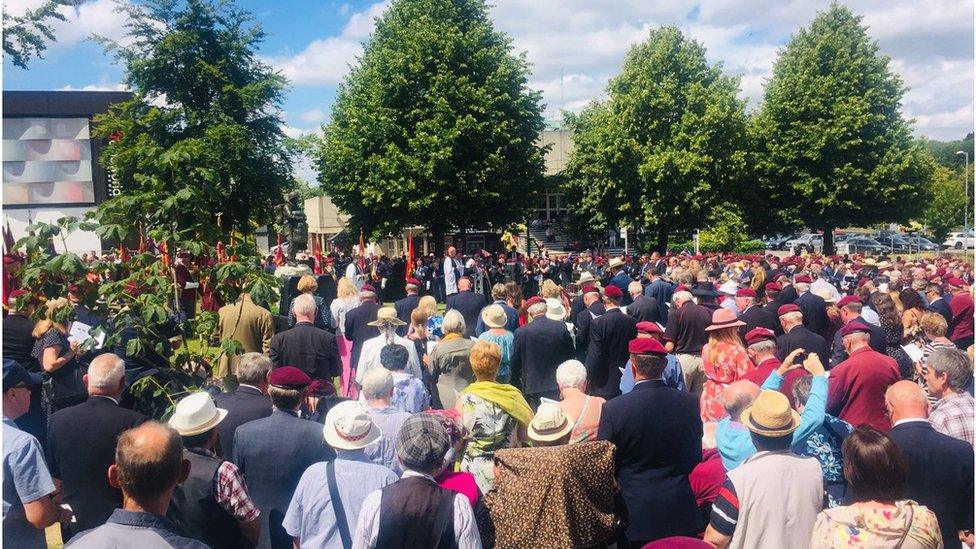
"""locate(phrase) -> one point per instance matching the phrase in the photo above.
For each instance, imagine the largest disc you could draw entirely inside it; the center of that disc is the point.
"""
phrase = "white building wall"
(78, 242)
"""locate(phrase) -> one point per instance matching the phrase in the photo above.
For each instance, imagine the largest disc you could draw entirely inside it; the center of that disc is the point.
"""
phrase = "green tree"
(435, 125)
(944, 152)
(832, 147)
(666, 146)
(26, 36)
(945, 210)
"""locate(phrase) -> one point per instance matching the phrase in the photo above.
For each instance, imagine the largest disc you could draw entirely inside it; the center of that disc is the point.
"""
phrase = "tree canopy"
(26, 36)
(435, 125)
(665, 147)
(832, 147)
(945, 210)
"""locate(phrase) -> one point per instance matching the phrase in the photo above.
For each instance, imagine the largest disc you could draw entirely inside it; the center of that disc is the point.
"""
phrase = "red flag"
(409, 257)
(279, 258)
(8, 241)
(318, 263)
(362, 251)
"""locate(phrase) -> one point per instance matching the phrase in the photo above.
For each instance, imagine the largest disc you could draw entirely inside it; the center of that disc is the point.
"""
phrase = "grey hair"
(735, 406)
(499, 291)
(571, 373)
(795, 316)
(857, 336)
(377, 384)
(537, 309)
(253, 368)
(764, 346)
(106, 372)
(802, 287)
(801, 389)
(681, 297)
(955, 364)
(635, 287)
(453, 323)
(304, 305)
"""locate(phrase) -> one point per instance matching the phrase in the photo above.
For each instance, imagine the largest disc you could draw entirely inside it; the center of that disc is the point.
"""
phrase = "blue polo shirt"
(25, 479)
(132, 529)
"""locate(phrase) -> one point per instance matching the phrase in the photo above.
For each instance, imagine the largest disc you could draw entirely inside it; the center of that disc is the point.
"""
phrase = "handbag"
(67, 385)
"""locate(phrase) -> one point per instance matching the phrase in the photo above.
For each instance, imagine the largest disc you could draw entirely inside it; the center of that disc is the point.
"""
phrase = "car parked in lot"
(921, 244)
(777, 242)
(806, 241)
(960, 240)
(857, 244)
(895, 243)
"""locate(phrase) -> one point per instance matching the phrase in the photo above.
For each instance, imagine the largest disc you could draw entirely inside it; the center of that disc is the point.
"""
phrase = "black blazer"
(772, 308)
(657, 431)
(941, 306)
(81, 446)
(940, 475)
(610, 336)
(404, 306)
(584, 320)
(539, 348)
(837, 352)
(801, 338)
(310, 349)
(469, 304)
(787, 295)
(758, 317)
(358, 330)
(644, 309)
(814, 310)
(243, 405)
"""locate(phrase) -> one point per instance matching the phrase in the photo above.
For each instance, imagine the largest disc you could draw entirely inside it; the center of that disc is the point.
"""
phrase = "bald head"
(906, 400)
(738, 396)
(464, 284)
(148, 464)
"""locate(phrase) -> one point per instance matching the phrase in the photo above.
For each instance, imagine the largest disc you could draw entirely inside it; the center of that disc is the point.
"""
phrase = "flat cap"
(422, 442)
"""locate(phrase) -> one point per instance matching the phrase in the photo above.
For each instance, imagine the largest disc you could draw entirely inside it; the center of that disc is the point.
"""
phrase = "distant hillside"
(945, 151)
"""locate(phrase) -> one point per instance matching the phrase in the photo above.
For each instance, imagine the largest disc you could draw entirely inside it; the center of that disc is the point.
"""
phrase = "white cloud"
(97, 87)
(314, 116)
(97, 17)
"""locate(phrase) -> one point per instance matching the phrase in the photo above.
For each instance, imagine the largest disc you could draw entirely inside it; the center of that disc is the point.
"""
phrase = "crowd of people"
(654, 401)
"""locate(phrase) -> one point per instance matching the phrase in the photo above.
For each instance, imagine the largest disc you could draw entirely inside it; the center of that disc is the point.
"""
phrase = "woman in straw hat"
(724, 360)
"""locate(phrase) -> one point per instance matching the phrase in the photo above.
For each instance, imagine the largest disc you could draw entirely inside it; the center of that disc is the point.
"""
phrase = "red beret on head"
(682, 288)
(533, 300)
(646, 346)
(848, 299)
(756, 335)
(321, 388)
(649, 328)
(613, 292)
(803, 279)
(956, 282)
(289, 377)
(413, 281)
(368, 288)
(863, 281)
(589, 288)
(774, 287)
(852, 327)
(745, 292)
(790, 308)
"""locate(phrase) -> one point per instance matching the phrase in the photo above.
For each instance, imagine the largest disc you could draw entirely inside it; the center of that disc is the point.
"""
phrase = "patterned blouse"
(824, 444)
(723, 365)
(490, 428)
(907, 526)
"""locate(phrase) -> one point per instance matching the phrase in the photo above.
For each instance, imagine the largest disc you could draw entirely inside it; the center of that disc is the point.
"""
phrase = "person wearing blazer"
(798, 336)
(356, 328)
(247, 323)
(813, 307)
(643, 308)
(752, 314)
(249, 402)
(310, 349)
(607, 351)
(538, 349)
(658, 432)
(850, 312)
(940, 468)
(468, 303)
(405, 305)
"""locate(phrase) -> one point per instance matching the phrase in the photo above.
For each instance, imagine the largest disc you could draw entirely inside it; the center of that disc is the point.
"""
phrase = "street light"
(965, 186)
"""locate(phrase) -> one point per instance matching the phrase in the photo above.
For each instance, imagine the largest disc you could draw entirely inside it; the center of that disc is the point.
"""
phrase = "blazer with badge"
(357, 328)
(243, 405)
(657, 431)
(310, 349)
(610, 335)
(469, 304)
(404, 307)
(539, 348)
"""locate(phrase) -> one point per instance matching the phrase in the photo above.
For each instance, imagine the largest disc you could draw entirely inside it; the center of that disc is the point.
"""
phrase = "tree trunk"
(828, 241)
(662, 238)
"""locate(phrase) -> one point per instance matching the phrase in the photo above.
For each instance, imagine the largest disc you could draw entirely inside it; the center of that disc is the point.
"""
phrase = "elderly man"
(405, 305)
(212, 504)
(468, 303)
(813, 307)
(607, 354)
(753, 315)
(642, 308)
(749, 509)
(538, 349)
(18, 342)
(661, 290)
(672, 375)
(377, 395)
(620, 279)
(685, 336)
(937, 303)
(948, 374)
(357, 327)
(499, 294)
(592, 308)
(248, 402)
(326, 504)
(247, 323)
(386, 324)
(857, 385)
(149, 463)
(772, 305)
(81, 444)
(452, 270)
(797, 336)
(310, 349)
(940, 468)
(850, 311)
(761, 348)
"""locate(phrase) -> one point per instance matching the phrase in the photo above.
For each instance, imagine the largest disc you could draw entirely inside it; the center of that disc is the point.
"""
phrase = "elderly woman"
(448, 363)
(724, 360)
(409, 393)
(57, 357)
(496, 415)
(581, 407)
(434, 321)
(308, 285)
(495, 320)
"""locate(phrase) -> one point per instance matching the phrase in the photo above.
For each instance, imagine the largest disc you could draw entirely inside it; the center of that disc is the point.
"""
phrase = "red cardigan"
(856, 388)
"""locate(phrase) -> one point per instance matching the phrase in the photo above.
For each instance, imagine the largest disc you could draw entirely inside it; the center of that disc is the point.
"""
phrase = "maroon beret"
(803, 279)
(646, 346)
(789, 308)
(368, 288)
(774, 287)
(862, 282)
(590, 289)
(321, 388)
(289, 377)
(533, 300)
(613, 292)
(756, 335)
(745, 292)
(956, 282)
(848, 299)
(413, 281)
(649, 327)
(852, 327)
(682, 288)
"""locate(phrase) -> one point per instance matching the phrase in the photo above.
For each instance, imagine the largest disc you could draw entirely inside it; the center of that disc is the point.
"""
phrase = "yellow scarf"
(450, 336)
(506, 397)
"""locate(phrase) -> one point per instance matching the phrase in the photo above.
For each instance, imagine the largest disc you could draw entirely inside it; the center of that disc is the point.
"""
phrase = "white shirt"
(354, 276)
(369, 358)
(910, 420)
(368, 527)
(450, 278)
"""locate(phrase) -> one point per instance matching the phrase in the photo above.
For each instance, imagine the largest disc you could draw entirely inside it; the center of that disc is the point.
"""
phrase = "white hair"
(681, 297)
(253, 368)
(571, 373)
(802, 287)
(106, 372)
(537, 309)
(635, 288)
(764, 346)
(793, 316)
(377, 384)
(453, 322)
(304, 306)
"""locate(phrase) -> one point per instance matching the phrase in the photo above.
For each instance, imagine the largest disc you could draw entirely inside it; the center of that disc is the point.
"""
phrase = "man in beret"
(405, 305)
(797, 336)
(658, 434)
(607, 351)
(753, 315)
(850, 308)
(772, 290)
(673, 377)
(857, 385)
(813, 307)
(961, 306)
(274, 451)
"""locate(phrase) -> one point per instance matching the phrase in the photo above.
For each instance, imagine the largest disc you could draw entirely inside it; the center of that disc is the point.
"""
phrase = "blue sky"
(574, 47)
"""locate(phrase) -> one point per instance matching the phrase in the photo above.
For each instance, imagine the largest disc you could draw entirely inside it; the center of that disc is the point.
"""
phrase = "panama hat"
(386, 316)
(555, 309)
(770, 415)
(494, 316)
(549, 423)
(349, 427)
(585, 278)
(196, 414)
(615, 262)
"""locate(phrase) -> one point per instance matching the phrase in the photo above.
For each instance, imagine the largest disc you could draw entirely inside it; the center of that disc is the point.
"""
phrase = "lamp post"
(965, 186)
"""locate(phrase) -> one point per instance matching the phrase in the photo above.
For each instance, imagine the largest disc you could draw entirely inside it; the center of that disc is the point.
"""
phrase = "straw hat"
(770, 415)
(555, 309)
(724, 318)
(585, 278)
(615, 262)
(196, 414)
(349, 427)
(386, 316)
(494, 316)
(549, 423)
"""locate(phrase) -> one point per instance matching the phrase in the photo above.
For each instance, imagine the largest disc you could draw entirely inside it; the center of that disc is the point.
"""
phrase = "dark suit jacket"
(657, 431)
(511, 324)
(788, 295)
(622, 280)
(81, 446)
(814, 310)
(243, 405)
(940, 475)
(539, 348)
(469, 304)
(610, 336)
(272, 453)
(758, 317)
(773, 308)
(801, 338)
(837, 352)
(358, 330)
(662, 291)
(584, 320)
(18, 341)
(644, 309)
(404, 306)
(310, 349)
(941, 306)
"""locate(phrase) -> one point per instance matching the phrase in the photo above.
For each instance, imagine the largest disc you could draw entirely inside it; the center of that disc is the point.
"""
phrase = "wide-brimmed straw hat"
(724, 318)
(386, 316)
(549, 423)
(615, 262)
(196, 414)
(494, 316)
(349, 427)
(770, 415)
(555, 309)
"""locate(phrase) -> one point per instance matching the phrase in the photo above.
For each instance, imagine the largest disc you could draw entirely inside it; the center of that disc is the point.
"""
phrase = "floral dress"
(434, 323)
(824, 444)
(490, 428)
(727, 363)
(907, 525)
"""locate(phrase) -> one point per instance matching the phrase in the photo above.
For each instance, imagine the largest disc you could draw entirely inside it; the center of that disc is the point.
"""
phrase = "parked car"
(777, 242)
(960, 240)
(856, 244)
(895, 243)
(807, 241)
(921, 244)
